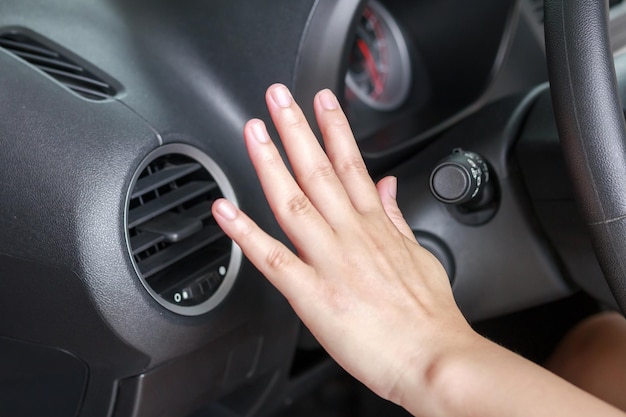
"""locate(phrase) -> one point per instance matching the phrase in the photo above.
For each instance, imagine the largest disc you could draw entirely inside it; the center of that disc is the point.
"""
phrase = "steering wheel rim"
(591, 127)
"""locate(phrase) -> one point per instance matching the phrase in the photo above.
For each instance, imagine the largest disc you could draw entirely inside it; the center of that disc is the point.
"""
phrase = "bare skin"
(592, 357)
(379, 303)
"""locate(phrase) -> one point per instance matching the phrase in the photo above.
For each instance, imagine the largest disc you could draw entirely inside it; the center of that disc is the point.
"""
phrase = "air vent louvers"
(69, 73)
(179, 252)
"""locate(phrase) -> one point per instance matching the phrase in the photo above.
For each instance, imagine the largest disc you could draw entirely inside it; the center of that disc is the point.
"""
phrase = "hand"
(379, 303)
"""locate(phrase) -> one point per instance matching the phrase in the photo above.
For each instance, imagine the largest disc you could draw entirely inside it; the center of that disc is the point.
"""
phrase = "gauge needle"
(371, 67)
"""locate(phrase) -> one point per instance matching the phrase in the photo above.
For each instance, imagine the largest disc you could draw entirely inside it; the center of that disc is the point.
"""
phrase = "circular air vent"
(181, 255)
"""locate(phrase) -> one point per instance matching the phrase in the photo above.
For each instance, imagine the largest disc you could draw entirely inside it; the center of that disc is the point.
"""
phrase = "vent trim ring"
(227, 191)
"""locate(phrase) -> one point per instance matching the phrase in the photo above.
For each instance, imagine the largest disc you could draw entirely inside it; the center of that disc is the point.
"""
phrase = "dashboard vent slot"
(66, 71)
(178, 251)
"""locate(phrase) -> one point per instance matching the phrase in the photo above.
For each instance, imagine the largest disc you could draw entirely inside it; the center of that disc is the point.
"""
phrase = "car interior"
(121, 122)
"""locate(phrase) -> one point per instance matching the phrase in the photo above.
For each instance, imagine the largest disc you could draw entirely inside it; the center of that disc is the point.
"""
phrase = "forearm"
(484, 379)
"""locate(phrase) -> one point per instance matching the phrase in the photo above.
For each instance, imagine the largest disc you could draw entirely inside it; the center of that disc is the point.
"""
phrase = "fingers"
(314, 172)
(284, 269)
(332, 181)
(344, 153)
(387, 190)
(299, 219)
(328, 189)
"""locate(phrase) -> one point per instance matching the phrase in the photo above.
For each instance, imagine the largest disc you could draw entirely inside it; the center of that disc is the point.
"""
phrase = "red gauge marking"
(371, 68)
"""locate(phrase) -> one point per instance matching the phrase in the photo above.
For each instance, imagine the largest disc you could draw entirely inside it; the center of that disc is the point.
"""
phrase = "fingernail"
(258, 132)
(328, 100)
(393, 187)
(281, 96)
(226, 209)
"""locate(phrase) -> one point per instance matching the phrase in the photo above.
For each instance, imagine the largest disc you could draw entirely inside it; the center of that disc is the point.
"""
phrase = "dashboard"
(121, 121)
(448, 68)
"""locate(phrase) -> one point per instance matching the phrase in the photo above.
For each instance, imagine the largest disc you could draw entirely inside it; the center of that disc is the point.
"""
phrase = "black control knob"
(460, 178)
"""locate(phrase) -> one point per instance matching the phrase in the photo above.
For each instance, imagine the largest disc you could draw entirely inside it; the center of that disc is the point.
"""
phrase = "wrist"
(430, 386)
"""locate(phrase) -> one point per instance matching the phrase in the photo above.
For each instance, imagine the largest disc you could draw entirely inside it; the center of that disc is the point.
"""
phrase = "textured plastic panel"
(56, 378)
(505, 264)
(66, 274)
(192, 74)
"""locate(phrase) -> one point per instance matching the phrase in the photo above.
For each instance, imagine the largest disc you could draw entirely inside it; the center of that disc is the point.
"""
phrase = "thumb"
(387, 191)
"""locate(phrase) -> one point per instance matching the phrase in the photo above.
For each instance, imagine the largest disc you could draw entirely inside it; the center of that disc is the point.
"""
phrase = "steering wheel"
(591, 126)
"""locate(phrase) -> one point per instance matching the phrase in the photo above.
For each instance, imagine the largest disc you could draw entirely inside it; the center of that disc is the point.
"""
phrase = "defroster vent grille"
(48, 59)
(182, 257)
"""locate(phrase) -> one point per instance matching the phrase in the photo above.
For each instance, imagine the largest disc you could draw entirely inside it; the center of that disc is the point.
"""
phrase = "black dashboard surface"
(76, 315)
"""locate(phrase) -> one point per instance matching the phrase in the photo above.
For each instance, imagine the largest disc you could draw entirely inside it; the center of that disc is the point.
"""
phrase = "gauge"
(379, 69)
